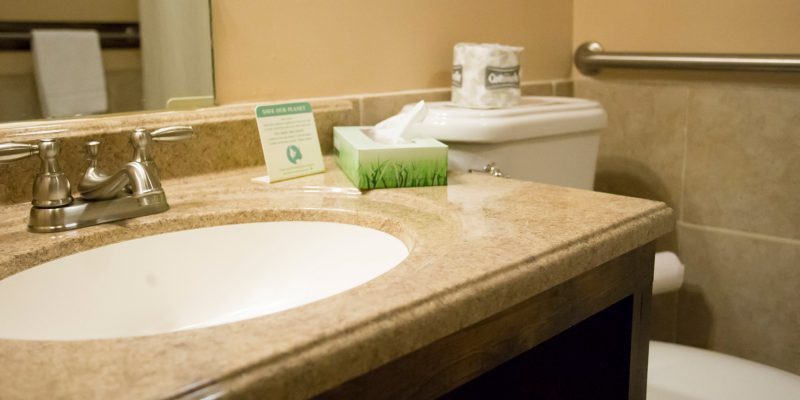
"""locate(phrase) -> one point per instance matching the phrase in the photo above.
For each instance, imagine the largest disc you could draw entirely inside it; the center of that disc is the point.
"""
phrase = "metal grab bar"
(590, 58)
(17, 35)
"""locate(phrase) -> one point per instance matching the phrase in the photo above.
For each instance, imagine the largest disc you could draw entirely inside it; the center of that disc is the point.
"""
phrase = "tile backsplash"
(725, 156)
(226, 138)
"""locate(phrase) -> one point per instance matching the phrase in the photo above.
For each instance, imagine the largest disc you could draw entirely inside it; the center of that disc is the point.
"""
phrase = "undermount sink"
(192, 279)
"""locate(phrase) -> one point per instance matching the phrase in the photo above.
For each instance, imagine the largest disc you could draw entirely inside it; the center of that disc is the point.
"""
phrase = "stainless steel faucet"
(133, 191)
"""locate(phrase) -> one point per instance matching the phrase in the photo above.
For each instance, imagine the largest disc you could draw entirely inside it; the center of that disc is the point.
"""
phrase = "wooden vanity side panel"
(457, 359)
(640, 335)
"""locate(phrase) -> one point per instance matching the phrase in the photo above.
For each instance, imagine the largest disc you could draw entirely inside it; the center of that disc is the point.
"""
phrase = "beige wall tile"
(353, 117)
(564, 88)
(664, 317)
(537, 88)
(641, 151)
(327, 121)
(741, 296)
(376, 108)
(743, 159)
(740, 146)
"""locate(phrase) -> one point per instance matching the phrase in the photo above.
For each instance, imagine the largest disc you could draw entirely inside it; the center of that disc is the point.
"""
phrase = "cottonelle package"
(486, 75)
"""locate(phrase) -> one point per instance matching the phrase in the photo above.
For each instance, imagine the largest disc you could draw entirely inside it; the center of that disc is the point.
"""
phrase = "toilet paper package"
(486, 75)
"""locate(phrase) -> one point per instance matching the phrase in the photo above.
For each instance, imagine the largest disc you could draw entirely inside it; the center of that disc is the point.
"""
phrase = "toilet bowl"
(555, 140)
(677, 372)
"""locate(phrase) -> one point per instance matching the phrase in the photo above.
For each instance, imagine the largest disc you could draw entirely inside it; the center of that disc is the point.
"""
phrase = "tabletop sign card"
(289, 140)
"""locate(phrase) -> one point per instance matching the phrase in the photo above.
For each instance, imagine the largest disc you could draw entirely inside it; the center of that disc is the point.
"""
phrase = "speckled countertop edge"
(479, 246)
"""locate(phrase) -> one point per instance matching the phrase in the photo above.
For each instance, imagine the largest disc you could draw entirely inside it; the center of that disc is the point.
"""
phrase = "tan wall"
(289, 49)
(71, 10)
(689, 25)
(721, 149)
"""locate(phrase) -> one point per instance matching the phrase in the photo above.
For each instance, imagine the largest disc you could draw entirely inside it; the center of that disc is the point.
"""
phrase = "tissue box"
(373, 165)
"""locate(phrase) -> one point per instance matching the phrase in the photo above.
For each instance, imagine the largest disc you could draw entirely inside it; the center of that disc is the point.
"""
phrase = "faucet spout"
(134, 179)
(143, 179)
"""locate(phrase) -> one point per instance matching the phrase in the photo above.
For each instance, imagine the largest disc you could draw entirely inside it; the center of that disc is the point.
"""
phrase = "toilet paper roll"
(486, 75)
(667, 273)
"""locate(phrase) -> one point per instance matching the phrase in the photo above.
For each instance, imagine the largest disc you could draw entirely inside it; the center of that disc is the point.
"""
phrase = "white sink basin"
(192, 279)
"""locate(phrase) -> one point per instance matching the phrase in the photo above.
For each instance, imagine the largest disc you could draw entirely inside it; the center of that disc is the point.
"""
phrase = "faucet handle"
(51, 187)
(141, 139)
(10, 152)
(92, 149)
(173, 134)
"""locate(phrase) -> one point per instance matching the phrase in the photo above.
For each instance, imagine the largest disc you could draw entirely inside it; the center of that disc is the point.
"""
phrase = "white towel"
(69, 72)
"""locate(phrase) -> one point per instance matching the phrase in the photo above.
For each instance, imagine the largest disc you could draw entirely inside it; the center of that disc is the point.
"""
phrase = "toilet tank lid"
(535, 116)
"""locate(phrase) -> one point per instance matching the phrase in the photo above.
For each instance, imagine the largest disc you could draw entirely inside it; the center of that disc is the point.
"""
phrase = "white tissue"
(667, 273)
(393, 130)
(486, 75)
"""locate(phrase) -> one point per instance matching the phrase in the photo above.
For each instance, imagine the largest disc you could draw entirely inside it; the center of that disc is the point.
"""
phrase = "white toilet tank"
(544, 139)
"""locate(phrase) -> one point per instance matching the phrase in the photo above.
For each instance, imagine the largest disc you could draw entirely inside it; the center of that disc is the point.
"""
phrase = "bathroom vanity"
(535, 288)
(508, 286)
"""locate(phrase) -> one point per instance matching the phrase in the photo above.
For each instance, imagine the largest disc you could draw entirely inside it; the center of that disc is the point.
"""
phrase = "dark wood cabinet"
(586, 338)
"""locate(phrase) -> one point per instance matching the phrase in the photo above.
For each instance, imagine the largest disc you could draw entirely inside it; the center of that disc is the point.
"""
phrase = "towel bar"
(590, 58)
(17, 35)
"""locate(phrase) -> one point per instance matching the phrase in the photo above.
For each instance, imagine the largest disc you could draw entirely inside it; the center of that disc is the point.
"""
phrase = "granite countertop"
(477, 247)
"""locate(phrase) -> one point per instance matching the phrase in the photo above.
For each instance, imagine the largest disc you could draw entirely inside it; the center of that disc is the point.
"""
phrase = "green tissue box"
(373, 165)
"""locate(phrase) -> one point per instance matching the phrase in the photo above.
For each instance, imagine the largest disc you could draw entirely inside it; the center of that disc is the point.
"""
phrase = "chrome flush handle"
(490, 169)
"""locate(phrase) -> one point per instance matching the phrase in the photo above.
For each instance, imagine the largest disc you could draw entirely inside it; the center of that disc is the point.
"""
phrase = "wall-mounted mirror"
(60, 59)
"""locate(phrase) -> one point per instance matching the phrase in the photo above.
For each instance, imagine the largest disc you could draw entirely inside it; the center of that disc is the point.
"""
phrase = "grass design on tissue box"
(393, 173)
(371, 165)
(379, 174)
